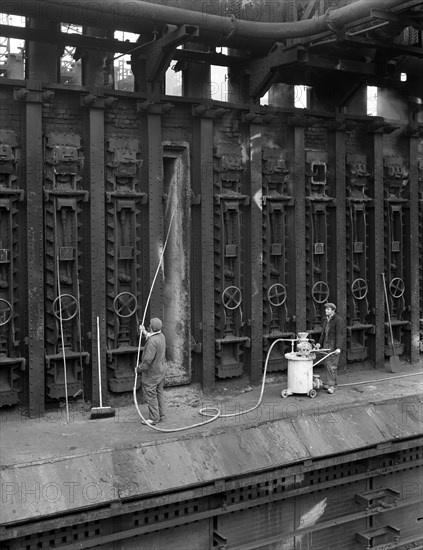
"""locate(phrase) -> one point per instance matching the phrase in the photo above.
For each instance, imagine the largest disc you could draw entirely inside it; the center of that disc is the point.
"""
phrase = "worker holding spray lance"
(153, 368)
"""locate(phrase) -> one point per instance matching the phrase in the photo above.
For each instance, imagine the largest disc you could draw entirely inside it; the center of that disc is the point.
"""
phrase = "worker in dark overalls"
(332, 339)
(153, 368)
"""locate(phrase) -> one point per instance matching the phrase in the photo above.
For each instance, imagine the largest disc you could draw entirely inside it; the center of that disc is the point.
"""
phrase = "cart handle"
(323, 358)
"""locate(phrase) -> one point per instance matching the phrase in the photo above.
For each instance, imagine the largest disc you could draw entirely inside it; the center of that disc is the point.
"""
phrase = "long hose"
(380, 379)
(213, 413)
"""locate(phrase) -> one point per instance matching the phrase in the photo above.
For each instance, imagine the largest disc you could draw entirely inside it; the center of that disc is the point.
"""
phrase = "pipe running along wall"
(141, 16)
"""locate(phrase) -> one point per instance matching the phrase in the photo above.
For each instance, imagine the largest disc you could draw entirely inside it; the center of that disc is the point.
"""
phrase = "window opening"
(264, 100)
(301, 94)
(123, 76)
(12, 58)
(372, 100)
(70, 69)
(173, 80)
(219, 79)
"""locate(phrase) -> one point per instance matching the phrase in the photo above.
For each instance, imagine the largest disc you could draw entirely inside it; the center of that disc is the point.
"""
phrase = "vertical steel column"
(96, 181)
(379, 250)
(254, 238)
(196, 77)
(300, 229)
(341, 223)
(204, 284)
(155, 201)
(43, 59)
(412, 281)
(35, 251)
(42, 66)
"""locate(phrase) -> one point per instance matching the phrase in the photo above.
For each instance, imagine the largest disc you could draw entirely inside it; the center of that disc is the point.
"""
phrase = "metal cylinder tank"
(300, 372)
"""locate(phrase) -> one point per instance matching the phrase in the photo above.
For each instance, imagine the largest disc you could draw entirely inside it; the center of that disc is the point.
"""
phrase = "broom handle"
(99, 362)
(389, 315)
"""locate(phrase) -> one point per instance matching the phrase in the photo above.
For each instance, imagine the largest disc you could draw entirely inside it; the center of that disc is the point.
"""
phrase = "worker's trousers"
(154, 395)
(332, 370)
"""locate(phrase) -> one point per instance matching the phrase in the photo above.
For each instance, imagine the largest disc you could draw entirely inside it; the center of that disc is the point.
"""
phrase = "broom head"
(102, 412)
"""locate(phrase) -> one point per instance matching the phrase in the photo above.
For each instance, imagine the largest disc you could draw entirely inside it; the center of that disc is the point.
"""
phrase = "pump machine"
(301, 379)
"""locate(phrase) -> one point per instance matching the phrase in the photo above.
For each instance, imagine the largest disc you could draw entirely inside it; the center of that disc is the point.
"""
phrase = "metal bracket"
(159, 55)
(153, 108)
(263, 70)
(207, 111)
(32, 96)
(97, 102)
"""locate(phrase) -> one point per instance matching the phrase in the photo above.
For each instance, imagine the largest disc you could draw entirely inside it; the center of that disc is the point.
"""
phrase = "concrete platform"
(50, 466)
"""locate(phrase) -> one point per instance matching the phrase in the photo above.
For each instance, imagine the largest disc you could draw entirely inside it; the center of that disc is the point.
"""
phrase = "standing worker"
(332, 338)
(153, 368)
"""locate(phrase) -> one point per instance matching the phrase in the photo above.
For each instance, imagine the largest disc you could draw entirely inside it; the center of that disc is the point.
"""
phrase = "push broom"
(100, 412)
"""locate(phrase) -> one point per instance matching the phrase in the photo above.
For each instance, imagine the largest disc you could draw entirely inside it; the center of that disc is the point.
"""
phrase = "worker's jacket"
(153, 365)
(335, 337)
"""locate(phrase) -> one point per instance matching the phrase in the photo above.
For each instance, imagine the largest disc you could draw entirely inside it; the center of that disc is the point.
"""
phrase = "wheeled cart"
(300, 375)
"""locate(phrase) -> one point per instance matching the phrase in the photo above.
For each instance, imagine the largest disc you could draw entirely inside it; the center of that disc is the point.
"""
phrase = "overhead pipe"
(141, 16)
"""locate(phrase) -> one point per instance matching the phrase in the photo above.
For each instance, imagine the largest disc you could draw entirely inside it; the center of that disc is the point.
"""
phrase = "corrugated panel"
(336, 537)
(258, 523)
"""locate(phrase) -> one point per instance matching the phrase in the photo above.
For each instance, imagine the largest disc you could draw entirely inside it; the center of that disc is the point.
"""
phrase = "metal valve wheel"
(125, 304)
(277, 294)
(359, 288)
(231, 297)
(397, 287)
(65, 307)
(320, 292)
(6, 311)
(312, 393)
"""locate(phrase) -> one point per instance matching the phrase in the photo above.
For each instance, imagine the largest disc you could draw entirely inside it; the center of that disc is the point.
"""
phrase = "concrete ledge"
(130, 468)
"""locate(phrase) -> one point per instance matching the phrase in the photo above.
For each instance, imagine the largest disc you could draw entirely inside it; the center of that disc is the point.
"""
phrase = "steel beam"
(254, 253)
(160, 53)
(69, 39)
(341, 224)
(43, 58)
(35, 251)
(155, 202)
(379, 251)
(389, 16)
(203, 150)
(300, 228)
(94, 124)
(412, 273)
(387, 47)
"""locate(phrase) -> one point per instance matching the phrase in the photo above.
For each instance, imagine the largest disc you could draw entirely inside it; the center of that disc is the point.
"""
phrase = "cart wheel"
(312, 393)
(284, 393)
